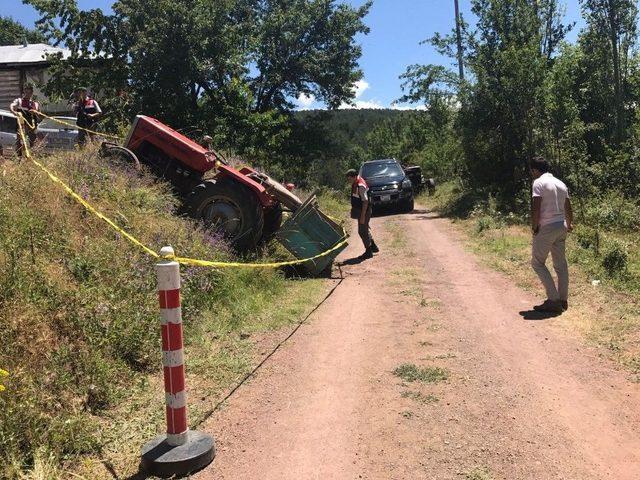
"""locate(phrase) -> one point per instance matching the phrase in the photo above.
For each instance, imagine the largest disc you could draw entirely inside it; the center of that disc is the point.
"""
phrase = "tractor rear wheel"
(230, 209)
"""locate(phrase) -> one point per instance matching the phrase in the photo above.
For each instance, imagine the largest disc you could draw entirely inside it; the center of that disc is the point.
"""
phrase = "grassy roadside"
(604, 267)
(79, 319)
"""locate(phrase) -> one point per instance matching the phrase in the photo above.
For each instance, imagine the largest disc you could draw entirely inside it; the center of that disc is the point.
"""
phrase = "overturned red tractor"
(243, 205)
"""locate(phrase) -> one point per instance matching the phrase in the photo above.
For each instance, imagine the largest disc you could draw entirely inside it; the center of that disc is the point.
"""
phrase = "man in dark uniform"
(26, 106)
(87, 113)
(361, 209)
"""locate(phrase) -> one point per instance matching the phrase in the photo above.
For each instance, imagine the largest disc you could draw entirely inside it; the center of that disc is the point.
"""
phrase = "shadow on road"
(351, 261)
(534, 315)
(389, 212)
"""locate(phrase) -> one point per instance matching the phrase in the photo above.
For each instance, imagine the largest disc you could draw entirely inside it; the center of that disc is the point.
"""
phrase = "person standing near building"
(551, 219)
(27, 107)
(361, 209)
(87, 112)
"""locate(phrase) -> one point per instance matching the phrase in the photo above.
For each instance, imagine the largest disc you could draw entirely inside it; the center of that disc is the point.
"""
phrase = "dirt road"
(523, 399)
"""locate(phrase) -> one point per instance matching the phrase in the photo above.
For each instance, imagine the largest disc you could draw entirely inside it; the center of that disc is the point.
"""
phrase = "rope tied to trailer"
(182, 260)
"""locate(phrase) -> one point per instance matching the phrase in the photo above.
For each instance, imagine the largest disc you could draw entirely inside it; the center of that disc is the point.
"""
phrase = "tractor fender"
(230, 173)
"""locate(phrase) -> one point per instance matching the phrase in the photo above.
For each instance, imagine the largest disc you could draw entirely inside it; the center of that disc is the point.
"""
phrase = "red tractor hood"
(172, 143)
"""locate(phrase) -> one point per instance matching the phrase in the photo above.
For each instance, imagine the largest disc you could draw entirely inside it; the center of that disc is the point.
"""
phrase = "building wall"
(9, 87)
(12, 80)
(39, 78)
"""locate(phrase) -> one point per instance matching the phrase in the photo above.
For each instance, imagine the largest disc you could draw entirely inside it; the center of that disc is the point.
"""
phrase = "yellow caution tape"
(77, 197)
(32, 127)
(135, 241)
(62, 122)
(207, 263)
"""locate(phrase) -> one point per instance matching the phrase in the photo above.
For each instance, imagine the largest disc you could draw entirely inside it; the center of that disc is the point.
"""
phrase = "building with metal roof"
(28, 63)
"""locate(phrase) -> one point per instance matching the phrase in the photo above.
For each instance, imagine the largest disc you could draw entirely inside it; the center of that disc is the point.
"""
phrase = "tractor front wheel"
(229, 209)
(119, 155)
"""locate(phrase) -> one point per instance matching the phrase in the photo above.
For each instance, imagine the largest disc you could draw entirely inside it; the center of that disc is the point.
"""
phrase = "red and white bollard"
(181, 450)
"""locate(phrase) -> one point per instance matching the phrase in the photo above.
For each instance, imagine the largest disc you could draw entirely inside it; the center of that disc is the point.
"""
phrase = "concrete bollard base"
(164, 460)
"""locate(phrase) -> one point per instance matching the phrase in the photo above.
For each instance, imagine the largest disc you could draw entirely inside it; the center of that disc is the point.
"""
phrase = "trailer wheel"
(120, 155)
(229, 208)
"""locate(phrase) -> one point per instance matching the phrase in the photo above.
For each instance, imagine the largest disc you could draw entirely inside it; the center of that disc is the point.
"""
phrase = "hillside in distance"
(352, 124)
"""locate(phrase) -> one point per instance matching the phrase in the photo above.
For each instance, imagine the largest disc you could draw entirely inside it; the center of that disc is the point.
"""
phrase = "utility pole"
(459, 35)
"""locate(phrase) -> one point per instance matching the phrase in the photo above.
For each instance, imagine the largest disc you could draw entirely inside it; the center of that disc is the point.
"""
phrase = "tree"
(231, 67)
(306, 47)
(13, 33)
(501, 106)
(608, 41)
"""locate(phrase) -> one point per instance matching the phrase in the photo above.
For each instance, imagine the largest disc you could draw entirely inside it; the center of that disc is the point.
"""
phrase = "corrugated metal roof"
(34, 53)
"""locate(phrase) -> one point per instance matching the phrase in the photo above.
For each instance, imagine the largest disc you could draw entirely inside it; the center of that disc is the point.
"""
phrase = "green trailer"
(308, 233)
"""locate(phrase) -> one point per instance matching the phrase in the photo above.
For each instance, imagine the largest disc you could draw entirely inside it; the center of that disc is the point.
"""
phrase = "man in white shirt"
(551, 219)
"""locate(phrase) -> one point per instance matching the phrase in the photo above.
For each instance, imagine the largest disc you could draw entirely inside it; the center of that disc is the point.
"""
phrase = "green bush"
(613, 212)
(484, 223)
(587, 238)
(615, 259)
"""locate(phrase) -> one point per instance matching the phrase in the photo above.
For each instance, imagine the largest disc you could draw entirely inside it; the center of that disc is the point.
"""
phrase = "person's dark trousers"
(83, 135)
(364, 231)
(31, 138)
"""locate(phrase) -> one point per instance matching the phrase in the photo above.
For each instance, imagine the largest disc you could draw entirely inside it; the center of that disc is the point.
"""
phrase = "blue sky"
(397, 27)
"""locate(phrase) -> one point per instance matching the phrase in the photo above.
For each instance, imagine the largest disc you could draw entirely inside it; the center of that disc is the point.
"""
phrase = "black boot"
(374, 247)
(367, 254)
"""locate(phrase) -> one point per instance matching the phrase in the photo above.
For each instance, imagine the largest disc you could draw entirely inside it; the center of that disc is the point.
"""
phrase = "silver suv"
(8, 132)
(58, 136)
(51, 135)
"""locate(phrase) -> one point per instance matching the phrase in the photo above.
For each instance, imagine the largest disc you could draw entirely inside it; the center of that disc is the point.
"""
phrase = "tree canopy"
(13, 33)
(231, 67)
(529, 93)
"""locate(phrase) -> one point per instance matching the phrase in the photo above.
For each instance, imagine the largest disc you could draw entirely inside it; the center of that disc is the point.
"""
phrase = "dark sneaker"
(565, 304)
(550, 306)
(367, 254)
(374, 248)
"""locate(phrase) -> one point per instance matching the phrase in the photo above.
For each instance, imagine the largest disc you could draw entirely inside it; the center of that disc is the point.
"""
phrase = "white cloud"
(305, 101)
(395, 106)
(360, 104)
(360, 87)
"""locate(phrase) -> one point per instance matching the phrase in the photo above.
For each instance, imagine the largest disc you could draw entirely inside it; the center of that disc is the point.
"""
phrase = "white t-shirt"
(554, 193)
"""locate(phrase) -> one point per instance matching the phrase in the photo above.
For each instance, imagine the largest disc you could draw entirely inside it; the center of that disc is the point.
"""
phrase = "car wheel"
(407, 206)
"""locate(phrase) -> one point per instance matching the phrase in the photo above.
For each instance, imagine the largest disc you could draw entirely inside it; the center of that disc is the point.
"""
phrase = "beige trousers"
(551, 238)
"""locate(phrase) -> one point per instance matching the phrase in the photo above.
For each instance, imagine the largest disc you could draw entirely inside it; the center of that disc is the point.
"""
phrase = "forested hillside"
(354, 124)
